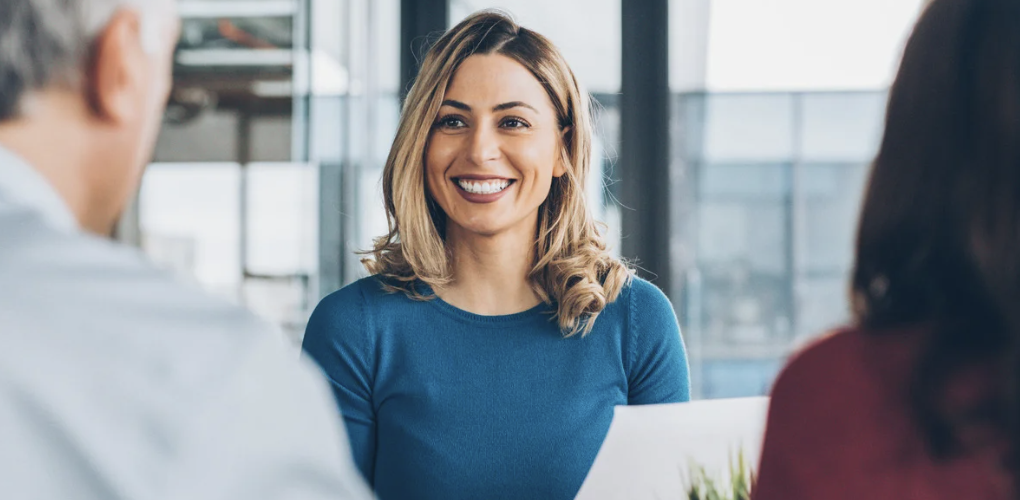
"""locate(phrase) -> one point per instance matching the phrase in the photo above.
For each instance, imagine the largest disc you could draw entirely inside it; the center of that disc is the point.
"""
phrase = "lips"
(482, 190)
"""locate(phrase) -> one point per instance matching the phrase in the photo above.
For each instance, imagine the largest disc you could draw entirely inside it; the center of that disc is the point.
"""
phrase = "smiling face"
(494, 149)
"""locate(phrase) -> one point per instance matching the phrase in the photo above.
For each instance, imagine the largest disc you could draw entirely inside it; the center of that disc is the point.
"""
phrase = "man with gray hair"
(115, 381)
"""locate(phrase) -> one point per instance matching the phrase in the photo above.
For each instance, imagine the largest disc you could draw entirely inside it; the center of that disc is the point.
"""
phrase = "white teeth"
(486, 187)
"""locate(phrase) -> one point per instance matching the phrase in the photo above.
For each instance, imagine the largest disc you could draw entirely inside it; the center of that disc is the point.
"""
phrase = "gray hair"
(45, 43)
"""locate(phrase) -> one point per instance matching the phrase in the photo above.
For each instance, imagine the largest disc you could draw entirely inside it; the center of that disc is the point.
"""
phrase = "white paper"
(650, 450)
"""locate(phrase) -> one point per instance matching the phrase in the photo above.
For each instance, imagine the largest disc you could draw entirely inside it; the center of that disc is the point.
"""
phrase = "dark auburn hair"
(938, 244)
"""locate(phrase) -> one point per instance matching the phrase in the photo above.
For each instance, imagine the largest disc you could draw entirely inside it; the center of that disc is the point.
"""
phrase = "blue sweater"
(441, 403)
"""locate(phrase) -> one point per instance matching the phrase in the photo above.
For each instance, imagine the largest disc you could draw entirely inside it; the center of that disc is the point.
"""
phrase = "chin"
(481, 228)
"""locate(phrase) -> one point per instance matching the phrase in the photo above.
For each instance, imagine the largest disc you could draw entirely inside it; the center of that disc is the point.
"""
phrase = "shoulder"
(815, 382)
(826, 382)
(827, 412)
(642, 293)
(107, 304)
(350, 315)
(359, 298)
(643, 302)
(821, 363)
(114, 290)
(650, 320)
(858, 364)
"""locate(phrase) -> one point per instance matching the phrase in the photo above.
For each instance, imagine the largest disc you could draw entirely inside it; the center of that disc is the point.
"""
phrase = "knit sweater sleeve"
(340, 338)
(657, 360)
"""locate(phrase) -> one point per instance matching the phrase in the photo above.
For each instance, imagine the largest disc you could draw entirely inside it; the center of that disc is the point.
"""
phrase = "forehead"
(495, 79)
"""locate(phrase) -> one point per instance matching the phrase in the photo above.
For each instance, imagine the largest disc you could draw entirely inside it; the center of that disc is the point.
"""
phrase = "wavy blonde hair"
(572, 268)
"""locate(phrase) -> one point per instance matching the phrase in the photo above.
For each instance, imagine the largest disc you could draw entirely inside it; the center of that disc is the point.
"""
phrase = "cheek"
(441, 152)
(537, 160)
(436, 161)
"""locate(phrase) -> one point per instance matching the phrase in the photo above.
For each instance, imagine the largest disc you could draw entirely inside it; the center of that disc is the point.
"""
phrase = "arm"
(338, 339)
(657, 368)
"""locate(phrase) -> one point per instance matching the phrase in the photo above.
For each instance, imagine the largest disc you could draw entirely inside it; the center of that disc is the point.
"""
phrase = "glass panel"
(821, 304)
(772, 232)
(744, 233)
(283, 209)
(189, 221)
(841, 126)
(372, 219)
(754, 127)
(831, 196)
(743, 240)
(735, 378)
(351, 126)
(603, 182)
(283, 301)
(767, 182)
(326, 139)
(274, 81)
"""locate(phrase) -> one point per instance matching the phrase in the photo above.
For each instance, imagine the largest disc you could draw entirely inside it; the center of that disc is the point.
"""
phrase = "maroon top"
(839, 427)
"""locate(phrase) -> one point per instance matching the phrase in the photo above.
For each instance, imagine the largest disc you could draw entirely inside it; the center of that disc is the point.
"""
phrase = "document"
(650, 451)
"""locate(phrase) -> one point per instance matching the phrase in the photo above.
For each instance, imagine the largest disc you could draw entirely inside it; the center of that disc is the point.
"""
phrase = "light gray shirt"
(117, 382)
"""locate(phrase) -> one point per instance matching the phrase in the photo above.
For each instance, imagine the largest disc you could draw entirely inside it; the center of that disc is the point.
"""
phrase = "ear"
(560, 169)
(117, 72)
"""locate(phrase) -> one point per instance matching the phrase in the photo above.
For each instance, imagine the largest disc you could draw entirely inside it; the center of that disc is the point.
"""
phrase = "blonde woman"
(485, 355)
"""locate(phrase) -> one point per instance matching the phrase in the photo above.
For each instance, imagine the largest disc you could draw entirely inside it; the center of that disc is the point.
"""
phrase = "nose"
(484, 146)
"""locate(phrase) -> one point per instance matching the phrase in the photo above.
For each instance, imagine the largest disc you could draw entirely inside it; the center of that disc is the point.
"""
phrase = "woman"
(920, 399)
(485, 355)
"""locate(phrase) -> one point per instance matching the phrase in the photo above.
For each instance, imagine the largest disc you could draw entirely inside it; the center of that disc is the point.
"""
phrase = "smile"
(483, 191)
(490, 186)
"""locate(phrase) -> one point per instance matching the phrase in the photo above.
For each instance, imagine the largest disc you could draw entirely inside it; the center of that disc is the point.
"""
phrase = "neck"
(52, 141)
(490, 273)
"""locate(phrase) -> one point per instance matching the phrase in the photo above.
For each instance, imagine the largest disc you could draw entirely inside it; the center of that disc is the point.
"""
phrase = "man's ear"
(560, 169)
(116, 73)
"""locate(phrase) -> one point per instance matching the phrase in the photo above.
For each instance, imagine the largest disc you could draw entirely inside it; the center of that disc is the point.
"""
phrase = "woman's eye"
(451, 122)
(515, 123)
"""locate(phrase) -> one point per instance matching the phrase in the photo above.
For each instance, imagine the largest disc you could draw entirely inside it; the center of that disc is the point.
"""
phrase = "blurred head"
(89, 79)
(496, 136)
(939, 238)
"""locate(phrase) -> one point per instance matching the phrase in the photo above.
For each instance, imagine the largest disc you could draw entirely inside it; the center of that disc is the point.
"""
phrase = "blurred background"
(734, 140)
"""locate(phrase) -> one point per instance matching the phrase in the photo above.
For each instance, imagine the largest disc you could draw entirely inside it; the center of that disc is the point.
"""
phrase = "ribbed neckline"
(541, 311)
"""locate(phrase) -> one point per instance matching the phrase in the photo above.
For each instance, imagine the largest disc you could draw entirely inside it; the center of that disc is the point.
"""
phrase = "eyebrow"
(499, 107)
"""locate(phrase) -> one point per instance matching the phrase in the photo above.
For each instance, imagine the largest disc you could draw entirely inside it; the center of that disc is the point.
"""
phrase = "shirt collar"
(22, 185)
